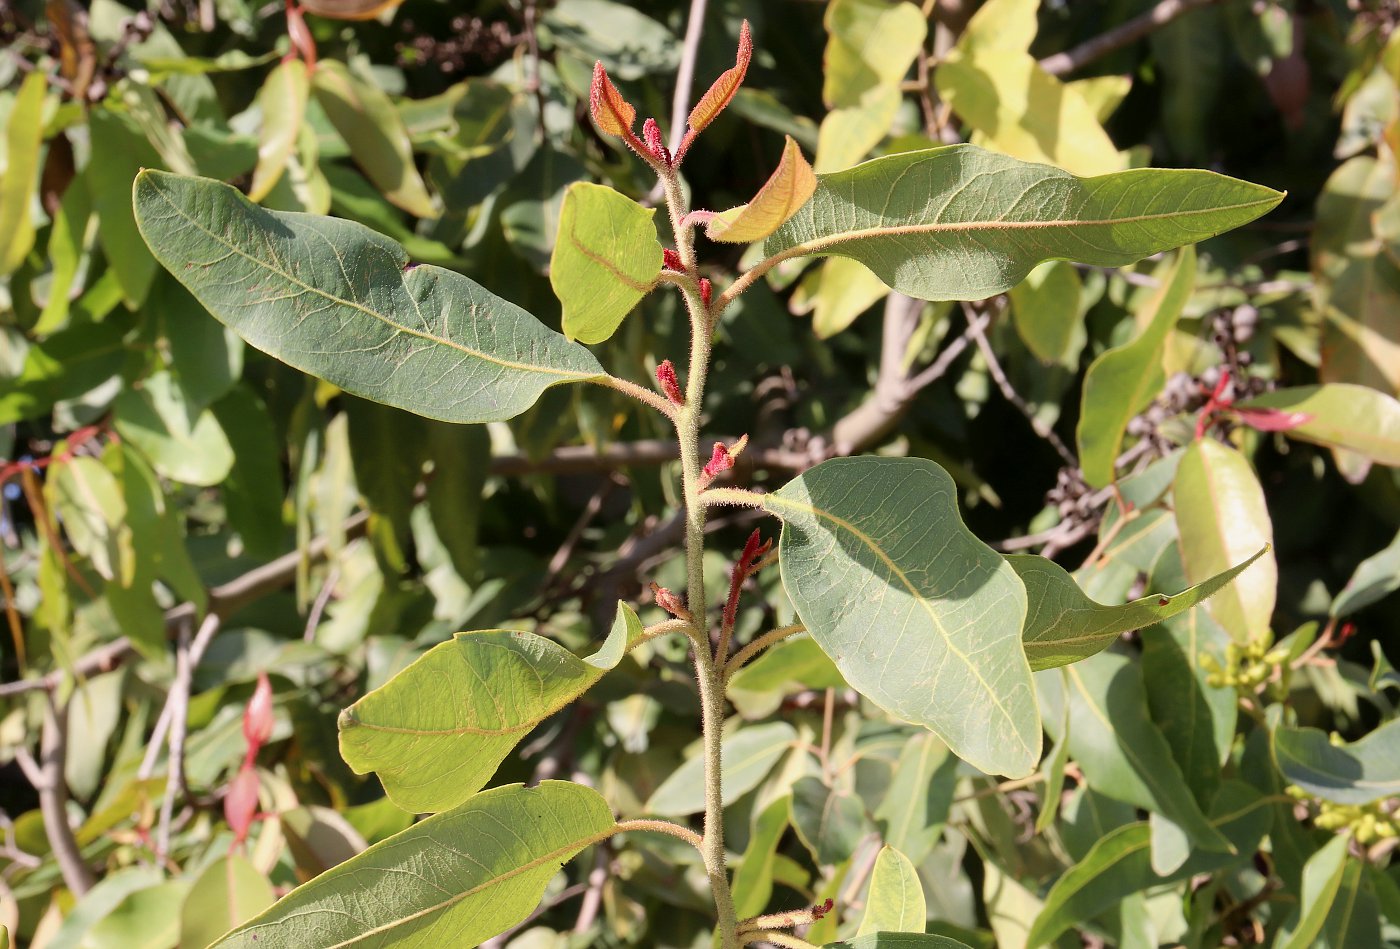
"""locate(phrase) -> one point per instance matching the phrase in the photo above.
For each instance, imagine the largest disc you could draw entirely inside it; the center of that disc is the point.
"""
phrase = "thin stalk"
(709, 675)
(757, 646)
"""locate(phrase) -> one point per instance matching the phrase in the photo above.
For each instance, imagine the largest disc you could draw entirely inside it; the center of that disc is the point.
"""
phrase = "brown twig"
(1061, 64)
(53, 798)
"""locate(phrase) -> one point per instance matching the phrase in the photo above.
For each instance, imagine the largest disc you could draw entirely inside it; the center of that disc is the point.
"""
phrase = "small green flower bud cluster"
(1245, 667)
(1366, 823)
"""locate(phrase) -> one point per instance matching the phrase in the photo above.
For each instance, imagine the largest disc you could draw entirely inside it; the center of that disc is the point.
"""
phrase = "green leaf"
(844, 289)
(227, 892)
(1322, 879)
(66, 365)
(98, 902)
(829, 821)
(282, 101)
(1357, 418)
(606, 258)
(898, 941)
(1045, 308)
(461, 458)
(1122, 381)
(436, 732)
(1119, 864)
(753, 879)
(181, 442)
(895, 902)
(962, 223)
(371, 126)
(924, 622)
(915, 808)
(1063, 625)
(148, 917)
(1358, 772)
(1121, 750)
(748, 754)
(125, 151)
(454, 873)
(255, 487)
(418, 338)
(24, 134)
(1222, 519)
(1373, 579)
(793, 665)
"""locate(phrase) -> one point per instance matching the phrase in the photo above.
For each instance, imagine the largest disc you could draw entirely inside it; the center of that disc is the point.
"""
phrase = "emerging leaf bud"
(666, 377)
(257, 717)
(671, 260)
(822, 908)
(669, 602)
(612, 113)
(714, 101)
(707, 291)
(651, 136)
(241, 802)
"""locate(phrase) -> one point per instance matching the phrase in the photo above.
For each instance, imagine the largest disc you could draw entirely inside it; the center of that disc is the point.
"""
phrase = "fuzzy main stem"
(708, 672)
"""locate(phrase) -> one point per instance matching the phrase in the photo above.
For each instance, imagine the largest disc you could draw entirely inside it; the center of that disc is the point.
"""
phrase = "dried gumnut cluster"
(472, 42)
(1072, 498)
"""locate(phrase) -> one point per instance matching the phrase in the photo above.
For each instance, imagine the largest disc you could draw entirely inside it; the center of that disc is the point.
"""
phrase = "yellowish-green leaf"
(925, 622)
(895, 902)
(848, 133)
(1356, 418)
(1045, 308)
(753, 879)
(605, 259)
(457, 878)
(1063, 625)
(1122, 381)
(229, 891)
(23, 135)
(378, 140)
(1001, 25)
(1103, 94)
(282, 101)
(845, 289)
(1222, 520)
(786, 190)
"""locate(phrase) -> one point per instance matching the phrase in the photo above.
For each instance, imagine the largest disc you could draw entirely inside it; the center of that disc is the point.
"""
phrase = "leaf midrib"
(918, 597)
(332, 298)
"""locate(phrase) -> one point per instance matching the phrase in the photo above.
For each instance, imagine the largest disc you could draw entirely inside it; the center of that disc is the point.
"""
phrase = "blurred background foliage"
(180, 512)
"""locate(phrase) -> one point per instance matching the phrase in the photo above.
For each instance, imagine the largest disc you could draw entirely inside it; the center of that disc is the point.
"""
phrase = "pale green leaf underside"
(918, 614)
(335, 299)
(436, 732)
(1063, 625)
(1357, 773)
(454, 879)
(961, 223)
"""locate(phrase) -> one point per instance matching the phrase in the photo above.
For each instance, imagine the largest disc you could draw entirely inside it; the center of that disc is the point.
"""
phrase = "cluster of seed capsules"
(472, 42)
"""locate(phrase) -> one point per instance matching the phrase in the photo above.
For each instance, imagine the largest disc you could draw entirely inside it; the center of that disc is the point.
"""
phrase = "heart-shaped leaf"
(462, 876)
(918, 614)
(960, 223)
(339, 301)
(605, 259)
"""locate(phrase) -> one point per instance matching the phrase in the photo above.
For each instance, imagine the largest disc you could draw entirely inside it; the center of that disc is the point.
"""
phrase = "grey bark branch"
(53, 798)
(1061, 64)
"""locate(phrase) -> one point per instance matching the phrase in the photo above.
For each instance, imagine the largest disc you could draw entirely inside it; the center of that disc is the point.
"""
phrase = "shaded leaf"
(1373, 579)
(1045, 308)
(915, 808)
(753, 878)
(606, 258)
(1063, 625)
(931, 631)
(898, 941)
(961, 223)
(454, 873)
(1357, 772)
(418, 338)
(227, 892)
(1322, 879)
(829, 821)
(182, 442)
(748, 754)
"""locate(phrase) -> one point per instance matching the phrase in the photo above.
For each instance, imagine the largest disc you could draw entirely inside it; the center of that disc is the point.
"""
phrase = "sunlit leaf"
(748, 754)
(895, 902)
(23, 136)
(786, 190)
(605, 260)
(1357, 418)
(283, 103)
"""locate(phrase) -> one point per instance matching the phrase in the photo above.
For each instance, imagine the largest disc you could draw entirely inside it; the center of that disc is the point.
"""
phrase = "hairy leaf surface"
(339, 301)
(918, 614)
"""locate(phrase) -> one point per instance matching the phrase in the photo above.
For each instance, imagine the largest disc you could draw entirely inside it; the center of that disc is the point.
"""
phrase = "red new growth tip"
(1272, 420)
(651, 136)
(670, 385)
(612, 113)
(714, 101)
(719, 461)
(671, 260)
(822, 909)
(241, 803)
(669, 602)
(257, 717)
(754, 551)
(707, 291)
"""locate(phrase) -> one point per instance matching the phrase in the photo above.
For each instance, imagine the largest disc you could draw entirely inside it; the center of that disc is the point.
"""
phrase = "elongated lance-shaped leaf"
(1063, 625)
(436, 732)
(337, 300)
(960, 223)
(605, 259)
(1338, 415)
(918, 614)
(455, 879)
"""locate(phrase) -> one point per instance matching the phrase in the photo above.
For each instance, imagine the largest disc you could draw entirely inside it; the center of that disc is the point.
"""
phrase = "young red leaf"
(666, 377)
(719, 95)
(257, 717)
(241, 802)
(1272, 420)
(612, 113)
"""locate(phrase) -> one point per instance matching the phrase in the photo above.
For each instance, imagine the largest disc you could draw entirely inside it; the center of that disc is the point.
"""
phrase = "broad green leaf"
(848, 133)
(1120, 863)
(145, 918)
(436, 732)
(1063, 625)
(753, 878)
(371, 126)
(1001, 25)
(605, 259)
(786, 190)
(1121, 750)
(1357, 418)
(1322, 879)
(88, 500)
(915, 808)
(924, 622)
(182, 443)
(453, 879)
(829, 821)
(895, 902)
(843, 290)
(227, 892)
(64, 366)
(1019, 109)
(1357, 772)
(1045, 308)
(1122, 381)
(418, 338)
(282, 100)
(1222, 519)
(24, 133)
(958, 222)
(99, 901)
(898, 941)
(1373, 579)
(747, 755)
